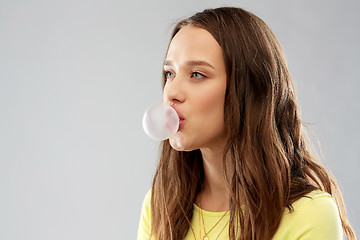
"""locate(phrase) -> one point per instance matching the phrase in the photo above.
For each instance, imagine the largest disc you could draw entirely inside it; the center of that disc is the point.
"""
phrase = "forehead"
(193, 43)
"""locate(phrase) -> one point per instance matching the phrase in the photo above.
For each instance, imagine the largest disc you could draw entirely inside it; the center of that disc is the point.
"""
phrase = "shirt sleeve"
(145, 219)
(317, 219)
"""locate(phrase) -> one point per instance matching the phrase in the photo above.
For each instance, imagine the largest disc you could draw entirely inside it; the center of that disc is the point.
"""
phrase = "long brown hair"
(272, 165)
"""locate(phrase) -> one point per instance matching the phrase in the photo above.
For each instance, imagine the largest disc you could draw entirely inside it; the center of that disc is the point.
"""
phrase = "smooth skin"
(195, 85)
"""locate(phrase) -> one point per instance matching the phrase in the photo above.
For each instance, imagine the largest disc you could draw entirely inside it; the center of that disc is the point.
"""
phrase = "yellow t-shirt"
(314, 217)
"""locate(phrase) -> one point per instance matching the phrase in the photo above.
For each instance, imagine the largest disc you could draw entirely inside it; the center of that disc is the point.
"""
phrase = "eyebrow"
(191, 63)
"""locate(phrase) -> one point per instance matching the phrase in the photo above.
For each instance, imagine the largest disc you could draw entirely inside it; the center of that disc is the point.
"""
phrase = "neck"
(214, 196)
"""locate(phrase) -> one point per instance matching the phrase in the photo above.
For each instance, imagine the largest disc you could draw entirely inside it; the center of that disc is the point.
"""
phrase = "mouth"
(181, 119)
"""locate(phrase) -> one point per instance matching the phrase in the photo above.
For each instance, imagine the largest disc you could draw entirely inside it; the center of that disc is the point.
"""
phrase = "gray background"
(76, 77)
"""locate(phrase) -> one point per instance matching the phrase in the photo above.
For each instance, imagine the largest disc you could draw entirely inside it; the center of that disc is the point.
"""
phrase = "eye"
(197, 75)
(168, 75)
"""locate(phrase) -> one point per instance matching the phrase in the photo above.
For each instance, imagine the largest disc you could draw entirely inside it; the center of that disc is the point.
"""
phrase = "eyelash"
(193, 73)
(197, 73)
(166, 74)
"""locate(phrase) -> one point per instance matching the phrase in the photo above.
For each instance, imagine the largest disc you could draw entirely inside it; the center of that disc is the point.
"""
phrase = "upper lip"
(181, 117)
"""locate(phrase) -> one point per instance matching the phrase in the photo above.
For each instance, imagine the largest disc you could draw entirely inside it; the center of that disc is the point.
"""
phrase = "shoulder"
(144, 228)
(319, 200)
(147, 199)
(146, 205)
(314, 216)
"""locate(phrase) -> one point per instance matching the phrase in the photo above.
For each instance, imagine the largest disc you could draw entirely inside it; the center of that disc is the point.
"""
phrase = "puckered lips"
(181, 118)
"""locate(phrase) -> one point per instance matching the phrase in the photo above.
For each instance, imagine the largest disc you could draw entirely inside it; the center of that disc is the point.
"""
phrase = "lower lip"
(181, 124)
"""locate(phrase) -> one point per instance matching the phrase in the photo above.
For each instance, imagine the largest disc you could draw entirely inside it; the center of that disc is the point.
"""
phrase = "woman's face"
(195, 85)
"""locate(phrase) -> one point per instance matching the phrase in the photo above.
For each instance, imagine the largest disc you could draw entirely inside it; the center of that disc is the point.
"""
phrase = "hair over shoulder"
(272, 164)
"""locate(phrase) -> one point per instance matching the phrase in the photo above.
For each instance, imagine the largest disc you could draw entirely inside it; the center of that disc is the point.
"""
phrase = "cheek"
(212, 108)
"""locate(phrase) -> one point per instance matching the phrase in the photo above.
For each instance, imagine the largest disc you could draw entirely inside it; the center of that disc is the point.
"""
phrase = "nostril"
(175, 101)
(173, 94)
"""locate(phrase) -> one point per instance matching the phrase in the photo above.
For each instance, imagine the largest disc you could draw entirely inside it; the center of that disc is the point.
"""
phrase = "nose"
(174, 91)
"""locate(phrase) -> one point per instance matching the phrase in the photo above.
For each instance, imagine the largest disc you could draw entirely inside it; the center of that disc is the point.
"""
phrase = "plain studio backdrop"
(76, 77)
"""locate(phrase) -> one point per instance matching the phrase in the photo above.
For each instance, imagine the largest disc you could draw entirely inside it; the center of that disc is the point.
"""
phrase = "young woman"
(239, 166)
